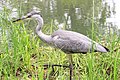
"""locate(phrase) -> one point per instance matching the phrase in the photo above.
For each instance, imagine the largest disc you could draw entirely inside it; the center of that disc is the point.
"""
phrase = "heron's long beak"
(24, 17)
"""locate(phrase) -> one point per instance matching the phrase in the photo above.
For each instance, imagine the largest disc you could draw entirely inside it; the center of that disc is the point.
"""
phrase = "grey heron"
(68, 41)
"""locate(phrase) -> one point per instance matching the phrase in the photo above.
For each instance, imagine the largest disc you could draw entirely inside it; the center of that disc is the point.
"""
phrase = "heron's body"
(72, 42)
(67, 41)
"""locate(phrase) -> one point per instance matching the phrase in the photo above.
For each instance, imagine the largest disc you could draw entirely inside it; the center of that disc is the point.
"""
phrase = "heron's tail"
(106, 49)
(101, 48)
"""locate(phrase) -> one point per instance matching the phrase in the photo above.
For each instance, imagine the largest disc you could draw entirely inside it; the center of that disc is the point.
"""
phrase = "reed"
(22, 55)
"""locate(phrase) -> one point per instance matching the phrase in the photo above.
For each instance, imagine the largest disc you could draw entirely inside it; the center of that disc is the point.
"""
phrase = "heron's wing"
(69, 41)
(70, 45)
(70, 35)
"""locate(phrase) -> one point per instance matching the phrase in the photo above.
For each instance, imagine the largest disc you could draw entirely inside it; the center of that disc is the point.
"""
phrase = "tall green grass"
(22, 55)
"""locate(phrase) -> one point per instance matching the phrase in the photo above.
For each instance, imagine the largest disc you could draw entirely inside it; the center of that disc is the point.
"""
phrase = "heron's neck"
(39, 26)
(39, 32)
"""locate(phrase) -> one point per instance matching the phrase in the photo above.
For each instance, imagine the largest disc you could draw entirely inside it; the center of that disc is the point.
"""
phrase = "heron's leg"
(46, 66)
(71, 65)
(45, 72)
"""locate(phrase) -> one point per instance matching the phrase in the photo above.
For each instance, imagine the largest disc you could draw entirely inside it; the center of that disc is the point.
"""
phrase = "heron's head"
(33, 14)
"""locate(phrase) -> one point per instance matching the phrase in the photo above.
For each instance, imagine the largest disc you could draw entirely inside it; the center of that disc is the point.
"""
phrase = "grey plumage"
(73, 42)
(68, 41)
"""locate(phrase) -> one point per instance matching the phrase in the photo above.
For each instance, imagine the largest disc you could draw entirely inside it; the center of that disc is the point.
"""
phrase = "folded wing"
(73, 42)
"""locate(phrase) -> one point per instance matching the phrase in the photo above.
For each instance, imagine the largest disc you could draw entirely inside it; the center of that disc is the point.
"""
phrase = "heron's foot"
(52, 73)
(53, 65)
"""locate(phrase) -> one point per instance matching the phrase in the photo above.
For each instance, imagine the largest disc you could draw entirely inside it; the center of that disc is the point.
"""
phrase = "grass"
(22, 55)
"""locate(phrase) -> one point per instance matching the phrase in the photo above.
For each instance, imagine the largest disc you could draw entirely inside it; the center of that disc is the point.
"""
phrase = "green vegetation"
(22, 55)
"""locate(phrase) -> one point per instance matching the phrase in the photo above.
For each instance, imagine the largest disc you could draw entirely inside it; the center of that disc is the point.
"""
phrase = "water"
(76, 15)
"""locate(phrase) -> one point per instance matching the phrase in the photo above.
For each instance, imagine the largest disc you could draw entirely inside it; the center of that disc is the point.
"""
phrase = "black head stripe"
(32, 13)
(29, 16)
